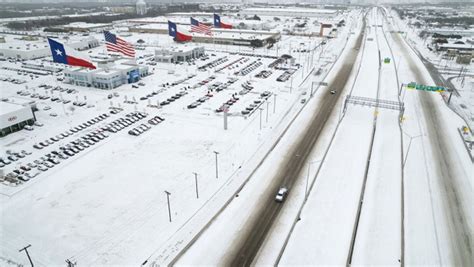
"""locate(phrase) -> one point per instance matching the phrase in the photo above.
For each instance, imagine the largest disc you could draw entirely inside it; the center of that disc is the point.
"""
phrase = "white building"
(289, 12)
(26, 50)
(122, 72)
(141, 7)
(13, 117)
(178, 54)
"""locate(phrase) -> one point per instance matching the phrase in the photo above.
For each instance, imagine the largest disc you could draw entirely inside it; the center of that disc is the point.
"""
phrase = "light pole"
(169, 207)
(266, 118)
(274, 102)
(260, 117)
(27, 254)
(408, 149)
(307, 178)
(217, 173)
(196, 182)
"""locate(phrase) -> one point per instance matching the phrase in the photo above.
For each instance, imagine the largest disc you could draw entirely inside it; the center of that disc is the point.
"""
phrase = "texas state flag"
(69, 56)
(218, 23)
(178, 37)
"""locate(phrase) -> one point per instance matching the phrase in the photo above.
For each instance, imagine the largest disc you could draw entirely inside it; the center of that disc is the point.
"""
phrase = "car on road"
(281, 195)
(333, 92)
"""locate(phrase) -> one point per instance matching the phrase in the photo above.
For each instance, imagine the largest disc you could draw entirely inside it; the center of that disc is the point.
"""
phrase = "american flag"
(117, 44)
(199, 27)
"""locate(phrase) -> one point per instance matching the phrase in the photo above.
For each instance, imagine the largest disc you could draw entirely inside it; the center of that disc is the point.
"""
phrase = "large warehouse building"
(219, 36)
(13, 117)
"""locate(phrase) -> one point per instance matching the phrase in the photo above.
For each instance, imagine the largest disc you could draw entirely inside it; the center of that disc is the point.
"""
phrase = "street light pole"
(408, 149)
(266, 118)
(169, 207)
(27, 254)
(260, 118)
(217, 171)
(307, 178)
(274, 103)
(196, 182)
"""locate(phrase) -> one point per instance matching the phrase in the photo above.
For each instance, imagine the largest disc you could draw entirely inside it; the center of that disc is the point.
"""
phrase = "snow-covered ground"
(107, 205)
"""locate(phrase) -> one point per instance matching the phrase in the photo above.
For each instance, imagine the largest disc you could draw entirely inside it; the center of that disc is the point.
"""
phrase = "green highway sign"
(386, 60)
(421, 87)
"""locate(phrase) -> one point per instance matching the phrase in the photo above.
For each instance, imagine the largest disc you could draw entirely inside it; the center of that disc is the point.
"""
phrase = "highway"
(268, 211)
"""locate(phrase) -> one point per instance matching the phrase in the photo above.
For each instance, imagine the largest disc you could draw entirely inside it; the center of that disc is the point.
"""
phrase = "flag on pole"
(178, 37)
(69, 56)
(117, 44)
(218, 23)
(199, 27)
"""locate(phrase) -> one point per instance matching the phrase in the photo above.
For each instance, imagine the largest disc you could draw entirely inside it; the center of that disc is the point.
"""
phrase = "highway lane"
(450, 178)
(249, 245)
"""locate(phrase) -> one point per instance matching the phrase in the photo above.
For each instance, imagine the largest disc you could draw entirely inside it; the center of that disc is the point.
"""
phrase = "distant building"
(14, 116)
(141, 7)
(37, 49)
(289, 12)
(220, 36)
(122, 72)
(86, 27)
(178, 54)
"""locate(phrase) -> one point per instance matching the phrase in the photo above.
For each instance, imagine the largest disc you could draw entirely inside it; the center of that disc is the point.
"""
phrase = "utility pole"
(169, 207)
(274, 103)
(217, 170)
(266, 118)
(196, 182)
(27, 254)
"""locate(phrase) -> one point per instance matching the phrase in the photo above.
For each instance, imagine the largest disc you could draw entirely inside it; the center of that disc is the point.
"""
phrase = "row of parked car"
(256, 103)
(71, 131)
(285, 75)
(226, 105)
(144, 127)
(12, 156)
(122, 123)
(174, 97)
(264, 74)
(30, 170)
(233, 64)
(213, 63)
(249, 68)
(200, 100)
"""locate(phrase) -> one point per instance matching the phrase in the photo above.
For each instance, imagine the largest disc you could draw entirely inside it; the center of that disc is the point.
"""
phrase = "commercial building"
(122, 72)
(39, 48)
(289, 12)
(219, 36)
(13, 117)
(86, 27)
(178, 54)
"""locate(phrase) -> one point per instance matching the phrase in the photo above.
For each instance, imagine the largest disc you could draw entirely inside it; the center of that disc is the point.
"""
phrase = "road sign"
(421, 87)
(386, 60)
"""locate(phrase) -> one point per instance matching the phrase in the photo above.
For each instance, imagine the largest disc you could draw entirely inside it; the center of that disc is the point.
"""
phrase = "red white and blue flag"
(69, 56)
(117, 44)
(218, 23)
(199, 27)
(178, 37)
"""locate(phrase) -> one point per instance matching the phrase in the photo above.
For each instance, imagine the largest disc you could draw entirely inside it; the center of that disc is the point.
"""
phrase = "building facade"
(13, 117)
(175, 54)
(106, 78)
